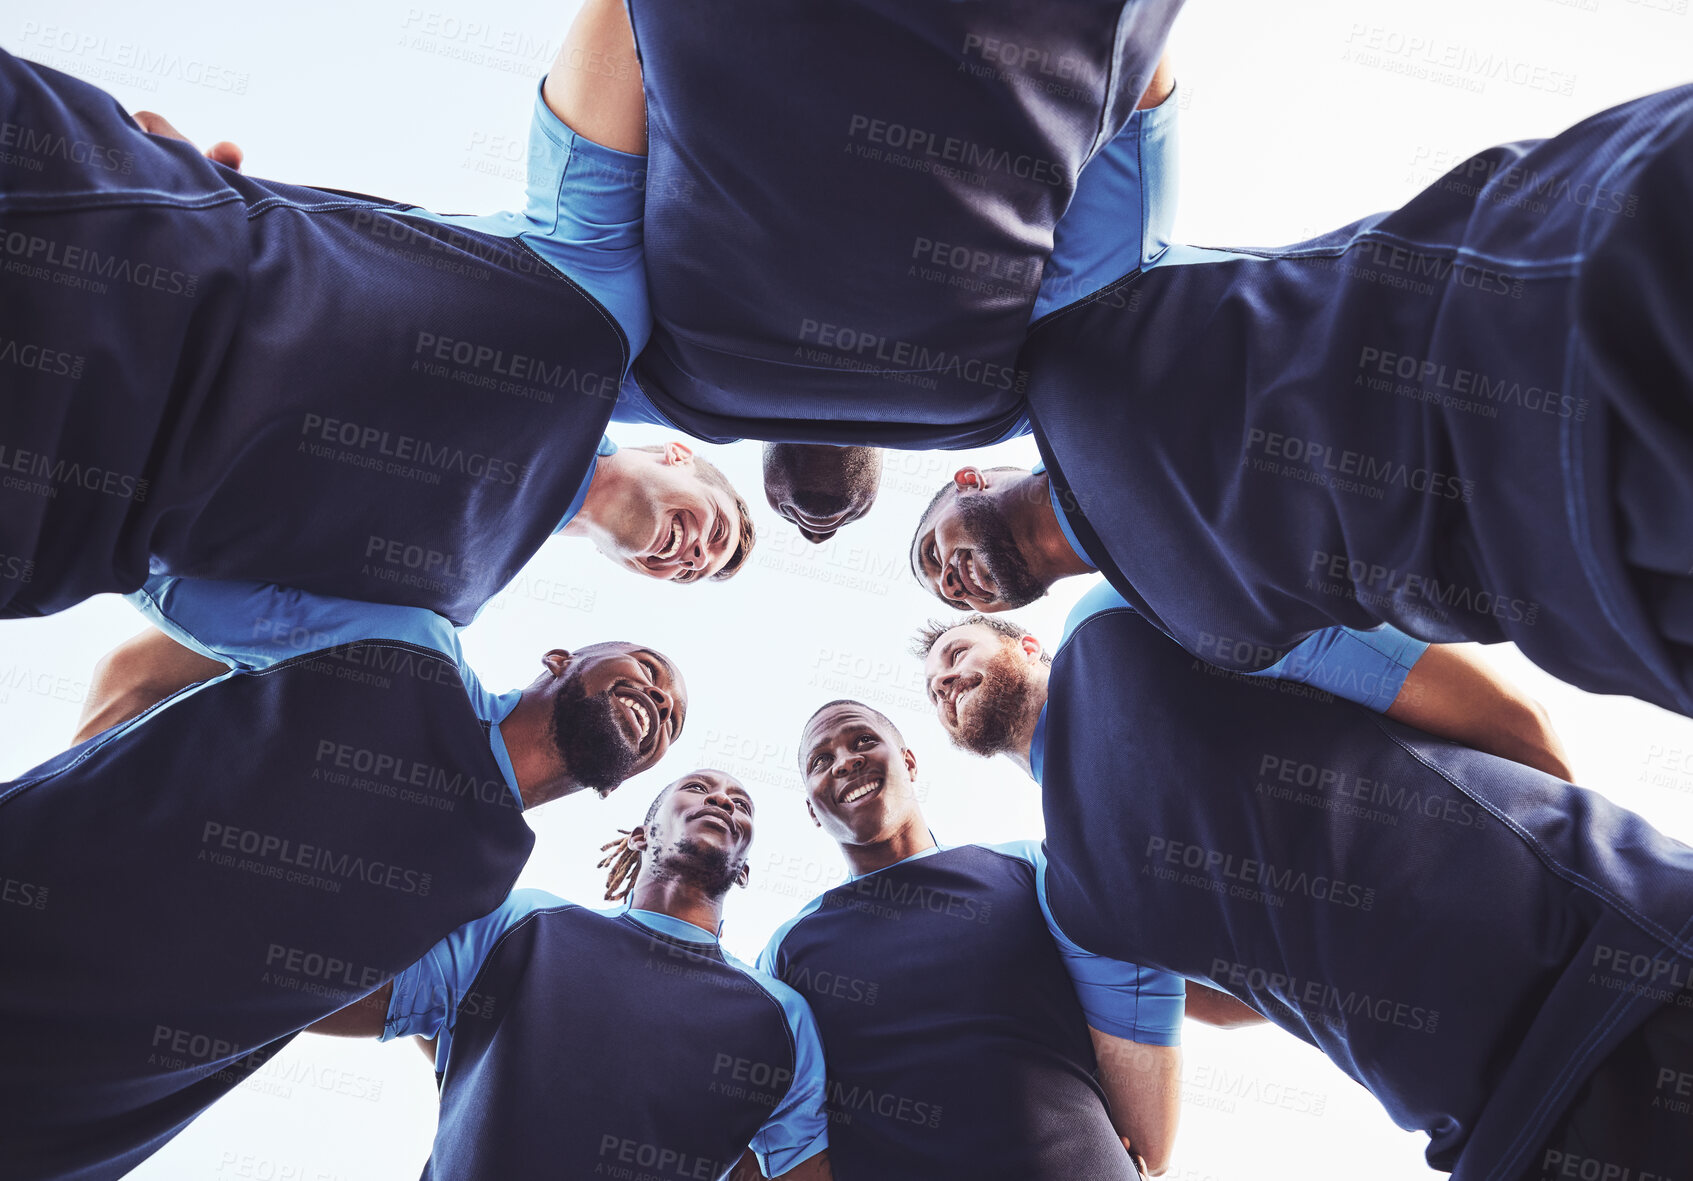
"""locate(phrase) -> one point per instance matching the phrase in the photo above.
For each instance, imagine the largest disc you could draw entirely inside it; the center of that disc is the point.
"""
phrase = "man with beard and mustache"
(571, 1041)
(996, 539)
(258, 849)
(948, 997)
(1500, 957)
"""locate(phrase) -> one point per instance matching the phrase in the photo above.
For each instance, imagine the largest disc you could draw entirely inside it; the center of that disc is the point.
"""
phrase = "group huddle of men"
(1274, 790)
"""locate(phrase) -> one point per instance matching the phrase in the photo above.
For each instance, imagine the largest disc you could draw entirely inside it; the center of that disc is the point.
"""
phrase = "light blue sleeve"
(427, 995)
(1102, 597)
(253, 625)
(799, 1127)
(1143, 1005)
(1366, 667)
(1121, 214)
(582, 213)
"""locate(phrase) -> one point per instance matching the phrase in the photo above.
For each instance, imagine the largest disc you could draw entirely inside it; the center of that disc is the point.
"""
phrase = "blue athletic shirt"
(1093, 245)
(427, 998)
(582, 213)
(252, 625)
(1364, 667)
(1125, 1000)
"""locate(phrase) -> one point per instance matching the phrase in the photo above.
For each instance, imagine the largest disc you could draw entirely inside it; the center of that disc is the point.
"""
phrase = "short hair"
(931, 632)
(858, 705)
(936, 498)
(713, 475)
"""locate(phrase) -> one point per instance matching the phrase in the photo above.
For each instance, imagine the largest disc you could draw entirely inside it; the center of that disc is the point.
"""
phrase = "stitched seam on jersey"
(21, 784)
(1085, 301)
(57, 202)
(622, 340)
(1647, 926)
(493, 949)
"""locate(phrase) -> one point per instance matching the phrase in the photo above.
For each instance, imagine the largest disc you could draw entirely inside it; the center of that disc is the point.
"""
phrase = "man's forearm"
(1453, 693)
(1142, 1086)
(137, 674)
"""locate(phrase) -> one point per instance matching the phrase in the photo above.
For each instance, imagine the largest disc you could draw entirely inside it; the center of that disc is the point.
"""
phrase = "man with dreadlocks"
(948, 998)
(523, 1089)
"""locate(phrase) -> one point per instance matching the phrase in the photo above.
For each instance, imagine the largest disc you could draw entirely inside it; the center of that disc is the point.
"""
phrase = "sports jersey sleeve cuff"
(1400, 653)
(1157, 1021)
(784, 1160)
(613, 184)
(409, 1006)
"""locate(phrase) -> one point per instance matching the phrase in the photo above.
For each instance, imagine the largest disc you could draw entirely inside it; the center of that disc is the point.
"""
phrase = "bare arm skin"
(1453, 693)
(223, 152)
(139, 672)
(1157, 90)
(1143, 1088)
(365, 1017)
(1219, 1008)
(595, 82)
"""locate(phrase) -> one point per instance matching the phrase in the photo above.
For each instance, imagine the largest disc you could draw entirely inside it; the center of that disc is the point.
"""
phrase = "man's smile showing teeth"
(640, 712)
(675, 542)
(862, 790)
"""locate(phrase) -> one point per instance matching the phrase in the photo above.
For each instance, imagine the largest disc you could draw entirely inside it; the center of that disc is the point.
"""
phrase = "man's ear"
(742, 874)
(638, 838)
(968, 479)
(1031, 648)
(678, 454)
(910, 764)
(812, 812)
(556, 661)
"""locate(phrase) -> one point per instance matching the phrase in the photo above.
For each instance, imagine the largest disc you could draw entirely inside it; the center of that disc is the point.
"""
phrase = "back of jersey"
(592, 1046)
(955, 1043)
(851, 204)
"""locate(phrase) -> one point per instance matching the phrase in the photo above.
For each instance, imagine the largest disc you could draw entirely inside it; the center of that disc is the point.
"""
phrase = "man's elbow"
(1540, 747)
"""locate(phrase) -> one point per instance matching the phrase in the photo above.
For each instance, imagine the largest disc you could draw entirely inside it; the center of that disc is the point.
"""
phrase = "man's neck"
(535, 762)
(907, 841)
(608, 490)
(1023, 733)
(1039, 536)
(678, 899)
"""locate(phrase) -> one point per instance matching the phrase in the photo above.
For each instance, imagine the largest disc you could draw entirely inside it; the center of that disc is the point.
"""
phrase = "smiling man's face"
(701, 831)
(964, 550)
(617, 709)
(859, 781)
(978, 681)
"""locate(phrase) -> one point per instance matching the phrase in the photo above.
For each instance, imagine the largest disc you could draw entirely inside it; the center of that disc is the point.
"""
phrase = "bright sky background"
(1297, 118)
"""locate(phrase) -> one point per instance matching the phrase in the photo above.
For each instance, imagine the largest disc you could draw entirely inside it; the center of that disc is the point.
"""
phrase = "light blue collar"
(1058, 511)
(1037, 746)
(664, 924)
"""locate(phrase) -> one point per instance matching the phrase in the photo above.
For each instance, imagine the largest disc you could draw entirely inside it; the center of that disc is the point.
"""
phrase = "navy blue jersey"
(861, 267)
(574, 1043)
(955, 1041)
(224, 377)
(208, 879)
(1471, 418)
(1465, 936)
